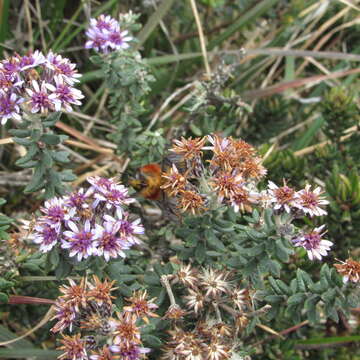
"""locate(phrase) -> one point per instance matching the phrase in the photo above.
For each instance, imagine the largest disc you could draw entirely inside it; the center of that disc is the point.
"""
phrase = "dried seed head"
(100, 291)
(173, 181)
(175, 312)
(214, 282)
(191, 201)
(187, 276)
(125, 328)
(349, 269)
(217, 351)
(241, 322)
(240, 297)
(189, 148)
(140, 306)
(73, 348)
(195, 300)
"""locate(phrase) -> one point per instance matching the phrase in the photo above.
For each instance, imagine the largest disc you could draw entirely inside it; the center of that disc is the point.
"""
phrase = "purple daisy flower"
(110, 244)
(115, 197)
(81, 242)
(46, 235)
(55, 211)
(9, 106)
(101, 184)
(129, 351)
(282, 198)
(66, 94)
(63, 67)
(65, 314)
(311, 201)
(97, 40)
(104, 35)
(104, 22)
(40, 100)
(32, 60)
(78, 200)
(118, 40)
(128, 229)
(10, 66)
(313, 243)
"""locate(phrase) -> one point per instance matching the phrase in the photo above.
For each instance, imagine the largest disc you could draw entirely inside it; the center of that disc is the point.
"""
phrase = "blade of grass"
(306, 138)
(6, 335)
(310, 81)
(4, 21)
(22, 353)
(55, 45)
(330, 340)
(168, 59)
(249, 16)
(154, 20)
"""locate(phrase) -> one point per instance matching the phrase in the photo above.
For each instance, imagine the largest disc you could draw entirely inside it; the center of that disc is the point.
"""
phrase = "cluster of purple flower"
(35, 83)
(105, 35)
(89, 223)
(304, 202)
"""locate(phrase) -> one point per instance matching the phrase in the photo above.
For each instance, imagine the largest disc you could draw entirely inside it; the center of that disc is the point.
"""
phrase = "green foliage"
(303, 297)
(127, 79)
(41, 155)
(340, 112)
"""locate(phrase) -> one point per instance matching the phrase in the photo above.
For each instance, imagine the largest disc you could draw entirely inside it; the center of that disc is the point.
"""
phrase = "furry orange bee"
(148, 181)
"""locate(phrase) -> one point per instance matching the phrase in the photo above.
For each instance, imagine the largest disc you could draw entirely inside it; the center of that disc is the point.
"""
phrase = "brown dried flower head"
(75, 294)
(190, 148)
(125, 328)
(226, 184)
(175, 312)
(100, 291)
(240, 297)
(173, 181)
(241, 322)
(140, 306)
(349, 269)
(214, 282)
(187, 276)
(217, 351)
(73, 348)
(195, 300)
(191, 201)
(243, 200)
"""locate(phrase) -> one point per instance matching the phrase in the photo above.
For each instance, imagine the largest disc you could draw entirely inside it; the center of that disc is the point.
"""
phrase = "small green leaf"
(52, 119)
(296, 299)
(50, 139)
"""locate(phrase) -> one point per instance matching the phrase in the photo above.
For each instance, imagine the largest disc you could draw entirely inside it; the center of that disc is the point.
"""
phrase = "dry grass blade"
(269, 330)
(201, 37)
(310, 81)
(102, 170)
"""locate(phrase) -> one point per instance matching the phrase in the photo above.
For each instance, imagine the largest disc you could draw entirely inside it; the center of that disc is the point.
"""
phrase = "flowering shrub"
(212, 250)
(92, 222)
(88, 306)
(35, 83)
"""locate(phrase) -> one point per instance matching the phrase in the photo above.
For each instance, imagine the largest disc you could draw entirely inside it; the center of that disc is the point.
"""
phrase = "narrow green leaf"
(306, 138)
(21, 353)
(329, 340)
(249, 17)
(6, 335)
(154, 20)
